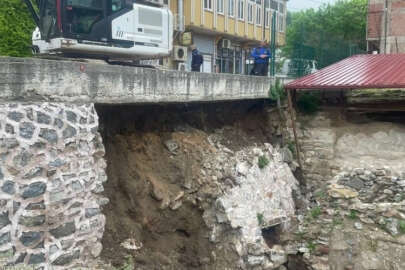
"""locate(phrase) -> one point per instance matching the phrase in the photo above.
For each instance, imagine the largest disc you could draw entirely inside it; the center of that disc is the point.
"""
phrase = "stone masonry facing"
(51, 173)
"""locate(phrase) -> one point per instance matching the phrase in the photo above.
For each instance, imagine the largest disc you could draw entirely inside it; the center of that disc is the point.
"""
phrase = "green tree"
(16, 26)
(328, 34)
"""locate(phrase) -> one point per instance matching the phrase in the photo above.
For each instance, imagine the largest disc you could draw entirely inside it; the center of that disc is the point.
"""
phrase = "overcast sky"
(296, 5)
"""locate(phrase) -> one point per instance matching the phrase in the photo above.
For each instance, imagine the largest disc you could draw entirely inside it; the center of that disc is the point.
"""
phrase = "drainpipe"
(180, 15)
(385, 26)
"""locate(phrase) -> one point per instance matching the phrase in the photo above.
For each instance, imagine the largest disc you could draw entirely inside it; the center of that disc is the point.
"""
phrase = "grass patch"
(262, 162)
(320, 194)
(260, 218)
(311, 246)
(315, 212)
(353, 214)
(128, 265)
(337, 221)
(291, 147)
(401, 226)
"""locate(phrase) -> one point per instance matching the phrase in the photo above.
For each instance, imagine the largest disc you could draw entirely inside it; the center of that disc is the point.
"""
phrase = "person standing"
(261, 57)
(196, 60)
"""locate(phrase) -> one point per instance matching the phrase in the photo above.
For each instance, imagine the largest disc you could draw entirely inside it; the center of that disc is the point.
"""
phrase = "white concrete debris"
(261, 198)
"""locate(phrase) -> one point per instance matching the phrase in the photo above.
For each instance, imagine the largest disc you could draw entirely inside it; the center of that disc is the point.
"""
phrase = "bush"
(263, 162)
(277, 91)
(291, 147)
(16, 26)
(308, 103)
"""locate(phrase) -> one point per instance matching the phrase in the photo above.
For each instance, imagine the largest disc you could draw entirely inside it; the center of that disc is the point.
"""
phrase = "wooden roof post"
(297, 147)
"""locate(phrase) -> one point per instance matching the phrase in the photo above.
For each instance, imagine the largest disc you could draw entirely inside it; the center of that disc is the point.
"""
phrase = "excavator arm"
(31, 9)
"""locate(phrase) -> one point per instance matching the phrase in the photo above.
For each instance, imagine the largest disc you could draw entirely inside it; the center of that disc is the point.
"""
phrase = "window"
(267, 17)
(81, 16)
(220, 6)
(116, 5)
(258, 15)
(274, 5)
(281, 7)
(231, 8)
(281, 23)
(250, 12)
(208, 4)
(241, 9)
(267, 4)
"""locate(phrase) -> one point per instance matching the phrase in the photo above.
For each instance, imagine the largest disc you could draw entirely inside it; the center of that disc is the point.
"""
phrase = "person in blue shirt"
(261, 57)
(196, 60)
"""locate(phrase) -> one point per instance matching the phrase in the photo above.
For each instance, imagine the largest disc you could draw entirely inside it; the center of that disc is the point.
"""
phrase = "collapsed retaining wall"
(51, 171)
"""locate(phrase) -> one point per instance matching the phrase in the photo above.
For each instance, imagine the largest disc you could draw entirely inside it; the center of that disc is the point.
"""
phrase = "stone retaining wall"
(51, 170)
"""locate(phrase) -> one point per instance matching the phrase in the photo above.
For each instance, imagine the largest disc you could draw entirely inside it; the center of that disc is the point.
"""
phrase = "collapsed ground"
(154, 156)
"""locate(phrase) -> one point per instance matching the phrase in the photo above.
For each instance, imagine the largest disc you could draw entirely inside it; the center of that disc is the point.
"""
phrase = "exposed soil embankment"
(156, 179)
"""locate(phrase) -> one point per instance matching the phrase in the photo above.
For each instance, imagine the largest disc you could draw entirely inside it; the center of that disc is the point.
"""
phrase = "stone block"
(15, 116)
(5, 238)
(8, 187)
(43, 118)
(32, 221)
(34, 190)
(21, 258)
(57, 163)
(69, 132)
(36, 258)
(71, 117)
(4, 220)
(64, 230)
(66, 258)
(58, 123)
(91, 212)
(29, 238)
(48, 134)
(9, 129)
(36, 206)
(9, 143)
(27, 130)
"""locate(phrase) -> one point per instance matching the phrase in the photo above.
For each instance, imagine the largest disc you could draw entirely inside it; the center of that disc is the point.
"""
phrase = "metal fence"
(306, 59)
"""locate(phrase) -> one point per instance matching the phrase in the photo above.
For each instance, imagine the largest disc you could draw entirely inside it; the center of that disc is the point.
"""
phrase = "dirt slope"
(156, 182)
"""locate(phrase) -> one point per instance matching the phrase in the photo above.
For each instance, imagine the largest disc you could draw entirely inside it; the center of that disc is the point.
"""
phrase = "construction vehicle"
(104, 29)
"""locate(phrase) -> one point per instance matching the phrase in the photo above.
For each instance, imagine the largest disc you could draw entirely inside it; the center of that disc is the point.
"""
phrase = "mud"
(154, 156)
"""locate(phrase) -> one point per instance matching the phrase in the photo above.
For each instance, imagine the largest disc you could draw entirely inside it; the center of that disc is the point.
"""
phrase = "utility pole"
(385, 26)
(273, 45)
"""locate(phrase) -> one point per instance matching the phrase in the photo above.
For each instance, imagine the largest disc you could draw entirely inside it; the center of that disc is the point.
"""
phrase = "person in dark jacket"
(197, 59)
(261, 57)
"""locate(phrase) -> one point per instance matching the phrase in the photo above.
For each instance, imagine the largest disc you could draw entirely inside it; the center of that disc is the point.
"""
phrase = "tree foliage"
(16, 26)
(328, 34)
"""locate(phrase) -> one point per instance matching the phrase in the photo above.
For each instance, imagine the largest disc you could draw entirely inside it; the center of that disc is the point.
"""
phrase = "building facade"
(386, 26)
(225, 31)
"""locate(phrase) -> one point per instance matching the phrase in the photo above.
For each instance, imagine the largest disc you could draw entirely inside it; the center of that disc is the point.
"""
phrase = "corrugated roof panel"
(359, 71)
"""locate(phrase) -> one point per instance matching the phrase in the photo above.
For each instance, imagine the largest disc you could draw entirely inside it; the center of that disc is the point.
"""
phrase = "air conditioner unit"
(226, 44)
(182, 67)
(153, 2)
(180, 53)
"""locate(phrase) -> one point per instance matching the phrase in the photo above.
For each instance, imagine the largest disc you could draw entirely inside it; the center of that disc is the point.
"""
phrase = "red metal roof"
(359, 71)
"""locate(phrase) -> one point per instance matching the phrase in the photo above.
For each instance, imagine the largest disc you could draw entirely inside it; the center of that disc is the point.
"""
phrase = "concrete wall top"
(32, 79)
